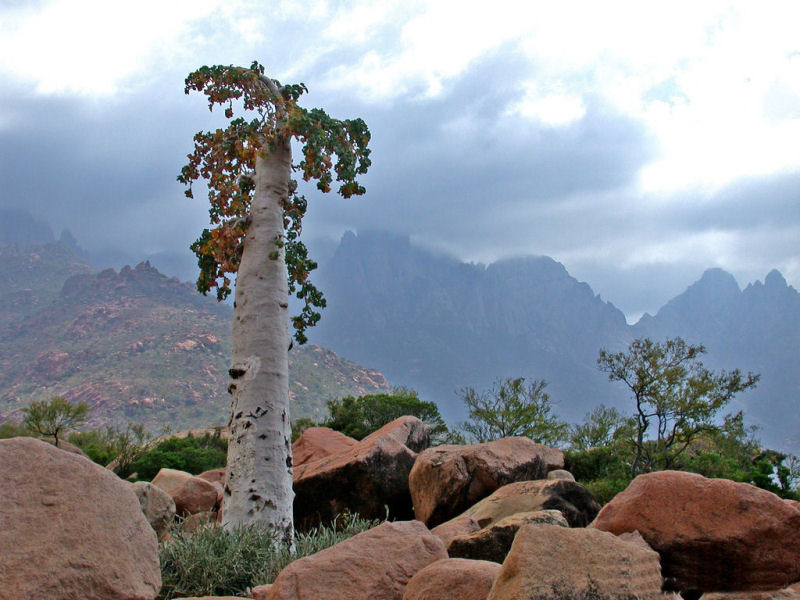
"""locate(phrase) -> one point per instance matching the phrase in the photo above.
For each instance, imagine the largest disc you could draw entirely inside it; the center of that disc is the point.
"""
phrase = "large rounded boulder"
(376, 564)
(573, 500)
(157, 505)
(453, 578)
(365, 479)
(316, 443)
(446, 480)
(712, 534)
(71, 529)
(548, 562)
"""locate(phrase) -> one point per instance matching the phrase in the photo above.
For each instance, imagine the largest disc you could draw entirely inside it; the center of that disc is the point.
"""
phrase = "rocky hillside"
(135, 344)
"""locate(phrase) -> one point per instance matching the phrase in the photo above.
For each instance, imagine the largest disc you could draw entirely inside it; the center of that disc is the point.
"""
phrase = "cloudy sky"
(638, 143)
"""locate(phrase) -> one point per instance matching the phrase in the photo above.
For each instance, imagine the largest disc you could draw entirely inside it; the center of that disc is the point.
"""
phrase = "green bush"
(604, 490)
(300, 425)
(216, 562)
(191, 454)
(11, 429)
(358, 417)
(605, 470)
(512, 408)
(96, 443)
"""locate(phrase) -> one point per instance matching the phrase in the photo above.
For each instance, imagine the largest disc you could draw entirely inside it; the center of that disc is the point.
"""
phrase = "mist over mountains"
(437, 324)
(428, 321)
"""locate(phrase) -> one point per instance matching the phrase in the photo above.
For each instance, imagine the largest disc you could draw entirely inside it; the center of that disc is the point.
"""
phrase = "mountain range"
(143, 346)
(434, 323)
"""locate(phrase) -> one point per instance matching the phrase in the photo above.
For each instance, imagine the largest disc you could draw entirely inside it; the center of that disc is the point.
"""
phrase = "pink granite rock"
(71, 529)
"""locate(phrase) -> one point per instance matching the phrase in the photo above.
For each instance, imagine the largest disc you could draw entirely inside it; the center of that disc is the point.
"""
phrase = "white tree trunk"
(259, 483)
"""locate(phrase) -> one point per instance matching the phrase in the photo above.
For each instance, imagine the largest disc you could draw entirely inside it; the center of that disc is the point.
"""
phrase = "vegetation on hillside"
(600, 451)
(135, 345)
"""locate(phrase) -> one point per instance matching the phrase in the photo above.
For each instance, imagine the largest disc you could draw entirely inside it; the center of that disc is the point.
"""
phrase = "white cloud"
(94, 47)
(550, 108)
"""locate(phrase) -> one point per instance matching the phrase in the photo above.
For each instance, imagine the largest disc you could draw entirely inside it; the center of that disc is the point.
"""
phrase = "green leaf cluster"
(116, 447)
(226, 159)
(49, 418)
(191, 454)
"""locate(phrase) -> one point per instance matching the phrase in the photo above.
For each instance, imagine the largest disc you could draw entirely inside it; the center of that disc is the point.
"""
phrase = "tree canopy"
(226, 159)
(51, 417)
(512, 408)
(675, 397)
(358, 417)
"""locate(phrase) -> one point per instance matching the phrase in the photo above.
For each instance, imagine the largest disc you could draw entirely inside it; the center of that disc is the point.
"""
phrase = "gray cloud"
(457, 172)
(450, 167)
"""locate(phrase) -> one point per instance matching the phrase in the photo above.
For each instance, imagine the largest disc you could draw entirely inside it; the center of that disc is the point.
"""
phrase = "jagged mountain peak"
(718, 278)
(539, 267)
(774, 285)
(775, 279)
(712, 294)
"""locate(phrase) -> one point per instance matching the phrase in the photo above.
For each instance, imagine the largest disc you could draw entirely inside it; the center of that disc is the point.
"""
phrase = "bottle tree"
(256, 219)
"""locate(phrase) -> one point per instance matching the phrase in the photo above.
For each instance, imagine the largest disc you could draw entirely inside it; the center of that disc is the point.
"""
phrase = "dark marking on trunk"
(227, 490)
(284, 305)
(238, 415)
(231, 388)
(247, 425)
(289, 461)
(235, 373)
(263, 436)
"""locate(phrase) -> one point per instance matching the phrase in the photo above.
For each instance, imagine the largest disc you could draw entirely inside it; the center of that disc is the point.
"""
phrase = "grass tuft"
(213, 561)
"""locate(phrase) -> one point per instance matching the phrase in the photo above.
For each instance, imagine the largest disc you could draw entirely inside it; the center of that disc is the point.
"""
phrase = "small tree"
(675, 396)
(601, 427)
(51, 417)
(512, 408)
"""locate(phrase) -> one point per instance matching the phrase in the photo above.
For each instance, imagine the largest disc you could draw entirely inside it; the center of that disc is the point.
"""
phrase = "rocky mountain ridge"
(437, 324)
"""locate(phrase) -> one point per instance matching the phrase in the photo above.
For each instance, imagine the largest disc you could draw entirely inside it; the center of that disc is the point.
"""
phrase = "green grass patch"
(213, 561)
